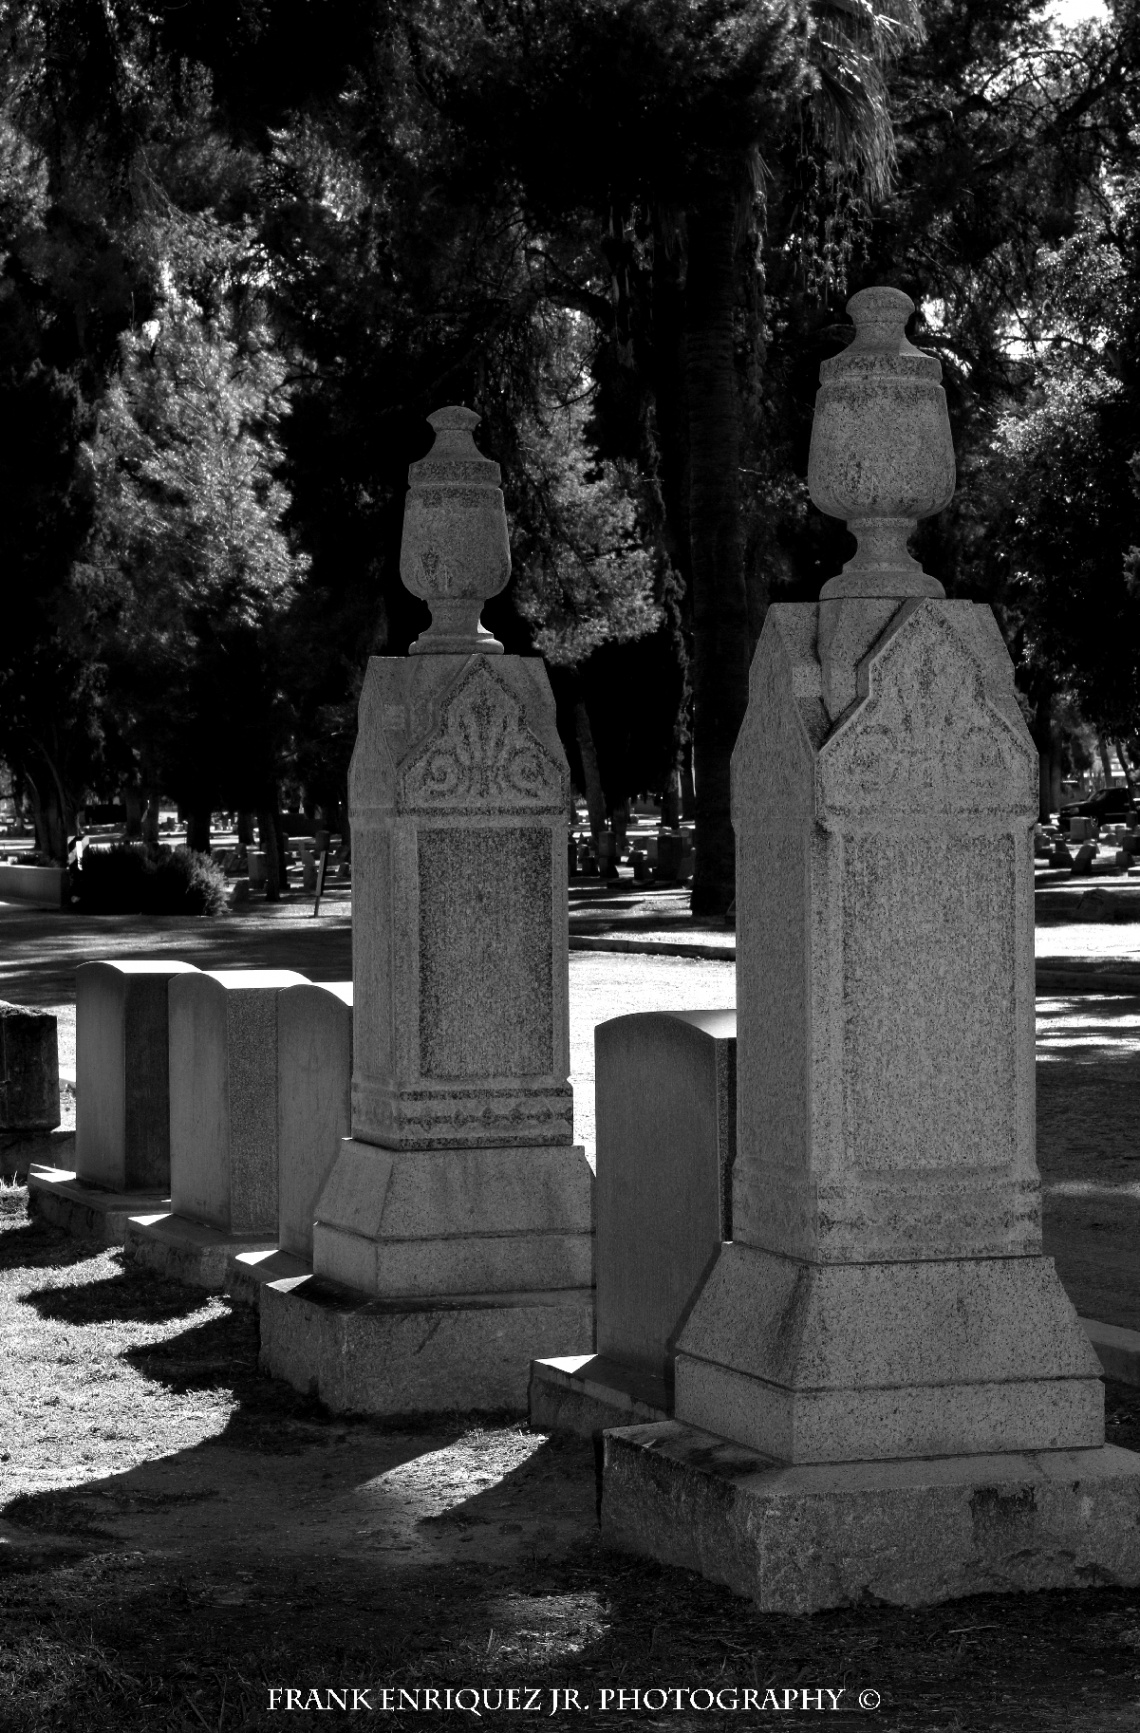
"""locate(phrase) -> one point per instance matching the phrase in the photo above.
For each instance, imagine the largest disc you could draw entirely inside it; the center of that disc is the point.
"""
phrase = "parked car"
(1111, 806)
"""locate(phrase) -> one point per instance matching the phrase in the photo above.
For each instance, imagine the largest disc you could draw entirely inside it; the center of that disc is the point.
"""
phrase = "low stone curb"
(1118, 1350)
(655, 947)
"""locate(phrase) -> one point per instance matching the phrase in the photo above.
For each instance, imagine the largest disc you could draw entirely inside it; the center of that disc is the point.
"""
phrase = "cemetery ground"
(180, 1535)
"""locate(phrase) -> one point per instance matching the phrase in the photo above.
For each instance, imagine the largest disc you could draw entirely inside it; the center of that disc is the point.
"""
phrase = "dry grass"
(184, 1534)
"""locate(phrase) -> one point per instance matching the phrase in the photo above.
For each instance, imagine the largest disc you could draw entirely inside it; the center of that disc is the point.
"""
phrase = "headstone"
(29, 1069)
(665, 1107)
(223, 1097)
(607, 855)
(882, 1390)
(258, 868)
(308, 868)
(314, 1085)
(670, 856)
(1084, 858)
(122, 1066)
(460, 1199)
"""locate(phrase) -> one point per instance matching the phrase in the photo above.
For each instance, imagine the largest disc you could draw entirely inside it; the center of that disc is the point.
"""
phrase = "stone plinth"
(886, 1289)
(884, 1301)
(29, 1069)
(910, 1533)
(314, 1079)
(223, 1098)
(460, 1177)
(460, 1200)
(122, 1116)
(665, 1091)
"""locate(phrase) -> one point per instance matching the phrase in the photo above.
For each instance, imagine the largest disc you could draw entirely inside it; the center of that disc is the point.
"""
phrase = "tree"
(673, 108)
(189, 572)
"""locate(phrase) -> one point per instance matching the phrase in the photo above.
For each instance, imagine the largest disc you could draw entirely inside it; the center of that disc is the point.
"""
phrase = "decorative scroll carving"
(484, 758)
(927, 739)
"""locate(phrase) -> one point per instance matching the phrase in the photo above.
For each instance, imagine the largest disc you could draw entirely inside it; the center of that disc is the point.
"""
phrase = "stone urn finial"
(455, 553)
(881, 452)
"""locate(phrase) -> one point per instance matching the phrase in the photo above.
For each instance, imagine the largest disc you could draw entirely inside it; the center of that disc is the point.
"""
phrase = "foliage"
(246, 249)
(128, 879)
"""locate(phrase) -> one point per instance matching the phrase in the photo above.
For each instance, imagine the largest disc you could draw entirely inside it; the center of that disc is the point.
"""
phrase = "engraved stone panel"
(927, 739)
(486, 985)
(485, 757)
(929, 972)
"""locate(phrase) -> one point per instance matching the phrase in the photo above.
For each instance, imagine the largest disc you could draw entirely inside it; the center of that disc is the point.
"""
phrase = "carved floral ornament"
(483, 757)
(927, 738)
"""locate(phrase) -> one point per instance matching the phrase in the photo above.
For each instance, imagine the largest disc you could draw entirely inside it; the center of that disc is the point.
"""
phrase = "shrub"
(110, 881)
(130, 878)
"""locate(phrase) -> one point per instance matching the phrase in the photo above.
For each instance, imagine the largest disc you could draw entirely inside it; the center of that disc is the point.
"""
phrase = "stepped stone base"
(585, 1393)
(251, 1271)
(88, 1211)
(416, 1355)
(911, 1533)
(190, 1251)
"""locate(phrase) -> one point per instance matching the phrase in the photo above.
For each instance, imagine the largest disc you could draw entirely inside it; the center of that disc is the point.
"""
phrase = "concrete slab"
(586, 1393)
(366, 1357)
(249, 1272)
(188, 1251)
(799, 1539)
(89, 1212)
(1118, 1350)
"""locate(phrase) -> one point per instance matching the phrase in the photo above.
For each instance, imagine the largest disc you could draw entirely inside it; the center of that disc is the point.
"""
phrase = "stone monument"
(665, 1095)
(223, 1127)
(882, 1390)
(452, 1242)
(122, 1107)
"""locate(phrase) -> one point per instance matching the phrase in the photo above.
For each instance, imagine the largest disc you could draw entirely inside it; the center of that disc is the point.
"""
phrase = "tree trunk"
(671, 800)
(595, 799)
(1106, 763)
(245, 829)
(48, 819)
(1127, 767)
(269, 839)
(198, 829)
(133, 801)
(1045, 738)
(716, 536)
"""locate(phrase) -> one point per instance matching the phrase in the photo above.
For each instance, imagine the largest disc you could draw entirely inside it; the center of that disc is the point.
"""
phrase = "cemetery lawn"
(179, 1534)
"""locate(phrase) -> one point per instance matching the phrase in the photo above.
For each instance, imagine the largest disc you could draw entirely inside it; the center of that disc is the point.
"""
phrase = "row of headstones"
(231, 1088)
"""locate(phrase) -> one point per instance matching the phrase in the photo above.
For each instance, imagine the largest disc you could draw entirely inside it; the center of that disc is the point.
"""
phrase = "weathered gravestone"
(314, 1082)
(29, 1069)
(459, 1211)
(665, 1093)
(882, 1390)
(122, 1062)
(122, 1111)
(223, 1126)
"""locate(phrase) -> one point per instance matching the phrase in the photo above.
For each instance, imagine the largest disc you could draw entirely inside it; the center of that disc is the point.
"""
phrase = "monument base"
(585, 1393)
(89, 1212)
(189, 1251)
(797, 1539)
(409, 1355)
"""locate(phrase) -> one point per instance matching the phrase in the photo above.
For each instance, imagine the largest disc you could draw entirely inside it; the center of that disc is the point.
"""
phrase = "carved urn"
(881, 452)
(455, 553)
